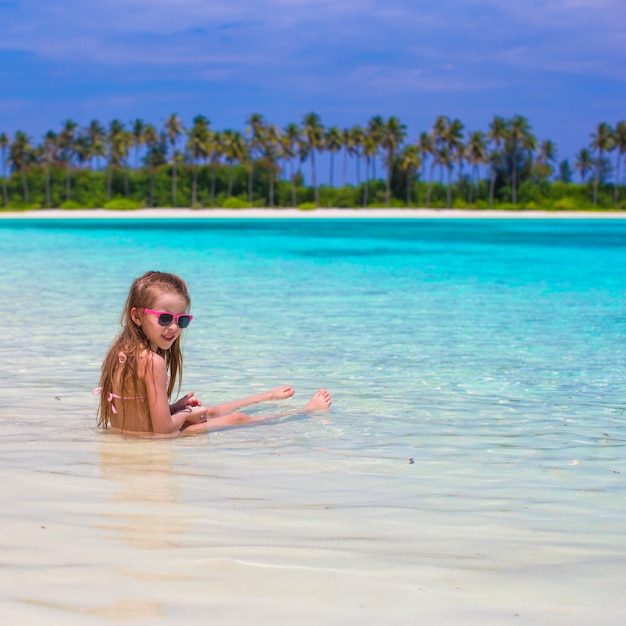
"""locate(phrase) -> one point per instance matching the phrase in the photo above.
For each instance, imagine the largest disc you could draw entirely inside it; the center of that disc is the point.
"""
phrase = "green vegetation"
(504, 167)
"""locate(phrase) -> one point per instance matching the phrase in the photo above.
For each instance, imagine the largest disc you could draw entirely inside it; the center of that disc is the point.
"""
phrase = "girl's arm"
(163, 421)
(185, 402)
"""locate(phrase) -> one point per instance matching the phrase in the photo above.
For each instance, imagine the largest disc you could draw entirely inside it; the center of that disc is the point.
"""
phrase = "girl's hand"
(185, 402)
(194, 415)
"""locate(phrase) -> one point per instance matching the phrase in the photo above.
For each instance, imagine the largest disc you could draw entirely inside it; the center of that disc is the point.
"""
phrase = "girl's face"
(161, 337)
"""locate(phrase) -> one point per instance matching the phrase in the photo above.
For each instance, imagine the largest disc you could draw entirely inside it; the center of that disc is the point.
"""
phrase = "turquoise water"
(477, 368)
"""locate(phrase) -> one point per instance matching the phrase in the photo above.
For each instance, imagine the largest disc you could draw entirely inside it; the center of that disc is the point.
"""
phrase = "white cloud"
(220, 39)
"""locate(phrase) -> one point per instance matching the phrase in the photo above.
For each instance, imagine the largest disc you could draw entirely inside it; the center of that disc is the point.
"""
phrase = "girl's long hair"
(120, 368)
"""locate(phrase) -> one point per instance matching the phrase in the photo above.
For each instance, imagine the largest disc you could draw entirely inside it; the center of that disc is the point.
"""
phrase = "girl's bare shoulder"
(151, 364)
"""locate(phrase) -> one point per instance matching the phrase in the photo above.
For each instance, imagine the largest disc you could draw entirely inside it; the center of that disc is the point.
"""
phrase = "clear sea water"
(477, 432)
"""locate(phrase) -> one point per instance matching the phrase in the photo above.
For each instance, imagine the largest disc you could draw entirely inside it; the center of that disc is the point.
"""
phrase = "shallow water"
(471, 469)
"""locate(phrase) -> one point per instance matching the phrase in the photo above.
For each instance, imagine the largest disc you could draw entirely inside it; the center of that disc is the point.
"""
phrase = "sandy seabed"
(194, 532)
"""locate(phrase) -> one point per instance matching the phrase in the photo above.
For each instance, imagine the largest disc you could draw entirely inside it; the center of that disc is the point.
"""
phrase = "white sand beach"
(184, 213)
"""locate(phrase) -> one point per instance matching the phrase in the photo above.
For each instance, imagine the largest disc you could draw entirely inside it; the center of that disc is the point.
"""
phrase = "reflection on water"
(145, 507)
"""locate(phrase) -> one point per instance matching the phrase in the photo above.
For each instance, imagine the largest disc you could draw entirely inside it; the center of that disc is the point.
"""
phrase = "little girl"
(145, 362)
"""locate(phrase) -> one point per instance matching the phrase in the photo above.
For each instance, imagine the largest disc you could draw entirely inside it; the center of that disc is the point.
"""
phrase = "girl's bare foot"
(320, 401)
(280, 393)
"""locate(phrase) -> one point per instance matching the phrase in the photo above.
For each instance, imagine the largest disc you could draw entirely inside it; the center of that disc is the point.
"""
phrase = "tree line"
(200, 166)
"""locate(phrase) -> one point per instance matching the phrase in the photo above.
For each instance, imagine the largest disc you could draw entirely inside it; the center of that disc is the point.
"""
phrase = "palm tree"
(451, 137)
(173, 129)
(333, 141)
(370, 148)
(427, 149)
(215, 149)
(348, 149)
(602, 141)
(393, 134)
(498, 133)
(519, 139)
(115, 142)
(254, 139)
(289, 142)
(198, 136)
(476, 155)
(543, 167)
(138, 137)
(584, 163)
(96, 134)
(619, 141)
(454, 137)
(410, 161)
(126, 141)
(445, 158)
(66, 145)
(303, 151)
(375, 130)
(234, 150)
(357, 139)
(547, 151)
(313, 135)
(4, 144)
(48, 149)
(565, 172)
(439, 130)
(150, 139)
(271, 142)
(21, 154)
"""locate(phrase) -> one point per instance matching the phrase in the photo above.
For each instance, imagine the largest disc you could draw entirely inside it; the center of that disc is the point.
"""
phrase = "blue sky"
(560, 63)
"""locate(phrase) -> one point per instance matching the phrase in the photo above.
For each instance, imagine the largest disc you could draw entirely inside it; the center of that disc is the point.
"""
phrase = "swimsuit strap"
(113, 396)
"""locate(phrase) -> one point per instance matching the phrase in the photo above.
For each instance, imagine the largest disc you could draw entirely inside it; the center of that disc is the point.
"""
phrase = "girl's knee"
(240, 418)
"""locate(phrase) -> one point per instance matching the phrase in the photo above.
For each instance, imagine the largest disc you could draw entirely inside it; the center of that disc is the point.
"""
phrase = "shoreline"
(187, 213)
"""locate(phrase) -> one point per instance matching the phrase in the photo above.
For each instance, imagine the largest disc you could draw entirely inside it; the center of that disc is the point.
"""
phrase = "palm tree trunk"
(5, 194)
(25, 187)
(332, 167)
(367, 182)
(126, 185)
(151, 199)
(174, 181)
(213, 173)
(492, 185)
(358, 169)
(617, 172)
(408, 189)
(48, 200)
(430, 184)
(271, 188)
(449, 193)
(194, 185)
(388, 184)
(470, 197)
(109, 182)
(314, 179)
(345, 167)
(514, 179)
(293, 184)
(68, 183)
(250, 181)
(596, 182)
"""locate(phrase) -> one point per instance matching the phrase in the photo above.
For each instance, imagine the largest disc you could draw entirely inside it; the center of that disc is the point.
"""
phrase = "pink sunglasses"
(165, 319)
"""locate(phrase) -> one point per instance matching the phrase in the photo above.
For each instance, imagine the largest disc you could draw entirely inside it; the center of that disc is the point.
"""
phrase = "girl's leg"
(320, 401)
(278, 393)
